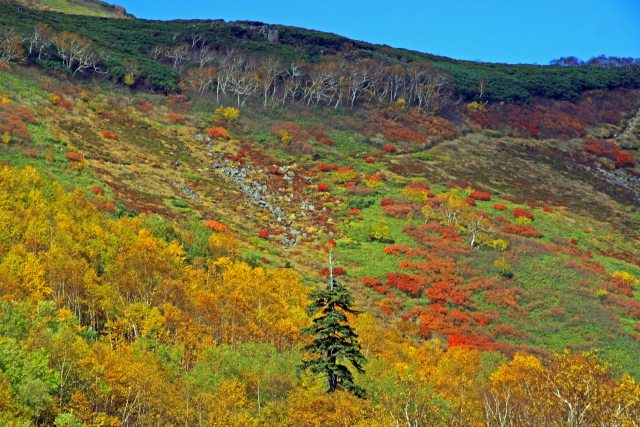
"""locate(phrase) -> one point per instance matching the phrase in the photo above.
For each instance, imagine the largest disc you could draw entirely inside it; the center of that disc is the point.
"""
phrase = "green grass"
(76, 8)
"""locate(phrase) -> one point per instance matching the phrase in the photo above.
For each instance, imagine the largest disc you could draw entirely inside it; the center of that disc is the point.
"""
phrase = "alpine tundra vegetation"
(211, 223)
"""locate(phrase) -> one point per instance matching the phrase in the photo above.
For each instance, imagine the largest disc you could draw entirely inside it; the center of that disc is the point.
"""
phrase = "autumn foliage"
(522, 213)
(109, 135)
(218, 133)
(214, 225)
(522, 230)
(14, 120)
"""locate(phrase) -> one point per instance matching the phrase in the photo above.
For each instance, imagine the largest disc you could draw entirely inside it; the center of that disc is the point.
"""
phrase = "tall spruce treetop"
(334, 339)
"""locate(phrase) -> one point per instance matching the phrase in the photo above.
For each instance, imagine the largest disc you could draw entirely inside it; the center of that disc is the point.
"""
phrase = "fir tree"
(334, 339)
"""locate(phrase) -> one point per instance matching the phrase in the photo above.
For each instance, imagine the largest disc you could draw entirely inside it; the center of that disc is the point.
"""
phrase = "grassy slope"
(558, 310)
(94, 8)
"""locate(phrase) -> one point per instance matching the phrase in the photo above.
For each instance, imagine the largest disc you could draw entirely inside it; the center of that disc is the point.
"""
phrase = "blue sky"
(515, 31)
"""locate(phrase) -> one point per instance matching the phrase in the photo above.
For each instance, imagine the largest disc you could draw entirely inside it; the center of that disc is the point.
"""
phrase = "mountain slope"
(126, 42)
(160, 246)
(75, 7)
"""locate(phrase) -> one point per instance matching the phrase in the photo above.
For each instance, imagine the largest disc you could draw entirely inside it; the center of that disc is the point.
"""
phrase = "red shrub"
(337, 271)
(369, 159)
(519, 212)
(499, 207)
(386, 202)
(323, 187)
(265, 261)
(472, 341)
(522, 230)
(398, 211)
(624, 159)
(325, 167)
(354, 211)
(547, 209)
(481, 195)
(410, 283)
(600, 147)
(218, 133)
(389, 148)
(319, 134)
(106, 134)
(375, 284)
(13, 120)
(470, 201)
(263, 234)
(98, 191)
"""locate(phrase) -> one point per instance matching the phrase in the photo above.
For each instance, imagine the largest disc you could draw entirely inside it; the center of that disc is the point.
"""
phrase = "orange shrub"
(144, 107)
(376, 177)
(214, 225)
(397, 249)
(499, 206)
(218, 133)
(110, 135)
(435, 125)
(389, 148)
(176, 117)
(395, 131)
(74, 157)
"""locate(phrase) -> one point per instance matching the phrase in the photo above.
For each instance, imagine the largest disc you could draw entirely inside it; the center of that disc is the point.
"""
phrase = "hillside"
(75, 7)
(163, 228)
(123, 44)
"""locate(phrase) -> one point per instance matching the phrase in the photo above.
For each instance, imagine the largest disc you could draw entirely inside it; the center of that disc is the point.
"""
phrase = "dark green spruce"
(335, 341)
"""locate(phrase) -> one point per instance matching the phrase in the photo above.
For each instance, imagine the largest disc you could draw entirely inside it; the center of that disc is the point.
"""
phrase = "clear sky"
(527, 31)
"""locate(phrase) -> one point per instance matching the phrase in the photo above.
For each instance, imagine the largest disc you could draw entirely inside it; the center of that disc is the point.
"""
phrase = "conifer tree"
(334, 340)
